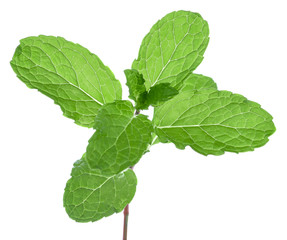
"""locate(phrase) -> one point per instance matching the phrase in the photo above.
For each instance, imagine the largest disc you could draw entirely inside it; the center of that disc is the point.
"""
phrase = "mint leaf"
(121, 138)
(90, 195)
(135, 83)
(137, 90)
(143, 99)
(155, 139)
(174, 44)
(160, 93)
(190, 81)
(74, 78)
(212, 122)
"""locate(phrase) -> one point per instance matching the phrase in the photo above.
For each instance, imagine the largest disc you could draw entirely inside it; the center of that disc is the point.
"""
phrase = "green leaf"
(160, 93)
(212, 122)
(121, 138)
(190, 81)
(143, 99)
(74, 78)
(174, 44)
(138, 93)
(90, 195)
(142, 102)
(155, 139)
(135, 83)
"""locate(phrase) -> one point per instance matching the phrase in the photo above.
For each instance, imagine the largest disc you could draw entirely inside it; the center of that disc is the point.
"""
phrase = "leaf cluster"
(189, 110)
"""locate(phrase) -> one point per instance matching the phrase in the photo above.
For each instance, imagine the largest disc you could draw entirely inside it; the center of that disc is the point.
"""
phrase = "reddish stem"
(126, 218)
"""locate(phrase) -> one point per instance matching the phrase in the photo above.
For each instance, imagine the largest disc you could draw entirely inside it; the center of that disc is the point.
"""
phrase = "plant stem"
(126, 218)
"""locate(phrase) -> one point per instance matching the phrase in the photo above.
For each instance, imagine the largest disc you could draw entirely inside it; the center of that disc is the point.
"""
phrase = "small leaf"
(138, 93)
(176, 43)
(74, 78)
(212, 122)
(142, 102)
(90, 195)
(121, 138)
(135, 83)
(160, 93)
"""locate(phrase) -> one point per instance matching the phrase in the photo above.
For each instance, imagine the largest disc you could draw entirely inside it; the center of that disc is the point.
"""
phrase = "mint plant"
(189, 110)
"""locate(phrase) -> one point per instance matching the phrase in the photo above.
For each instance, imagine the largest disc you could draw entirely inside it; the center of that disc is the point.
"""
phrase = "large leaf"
(90, 195)
(74, 78)
(174, 44)
(212, 122)
(121, 138)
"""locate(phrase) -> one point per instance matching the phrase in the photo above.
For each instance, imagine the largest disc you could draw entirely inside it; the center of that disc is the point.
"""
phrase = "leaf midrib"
(67, 82)
(206, 125)
(164, 67)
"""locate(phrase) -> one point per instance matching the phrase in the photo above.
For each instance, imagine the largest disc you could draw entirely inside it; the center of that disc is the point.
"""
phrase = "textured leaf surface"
(121, 138)
(190, 81)
(143, 99)
(135, 83)
(160, 93)
(174, 44)
(137, 90)
(212, 122)
(90, 196)
(68, 73)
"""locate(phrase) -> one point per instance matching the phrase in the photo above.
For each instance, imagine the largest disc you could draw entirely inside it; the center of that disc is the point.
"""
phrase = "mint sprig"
(189, 110)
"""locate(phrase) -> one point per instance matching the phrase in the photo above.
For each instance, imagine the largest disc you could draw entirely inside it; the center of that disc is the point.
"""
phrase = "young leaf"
(135, 83)
(90, 195)
(121, 138)
(143, 99)
(174, 44)
(137, 90)
(160, 93)
(190, 81)
(74, 78)
(212, 122)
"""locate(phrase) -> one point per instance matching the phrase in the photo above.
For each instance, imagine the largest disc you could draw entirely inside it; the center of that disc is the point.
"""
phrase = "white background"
(180, 194)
